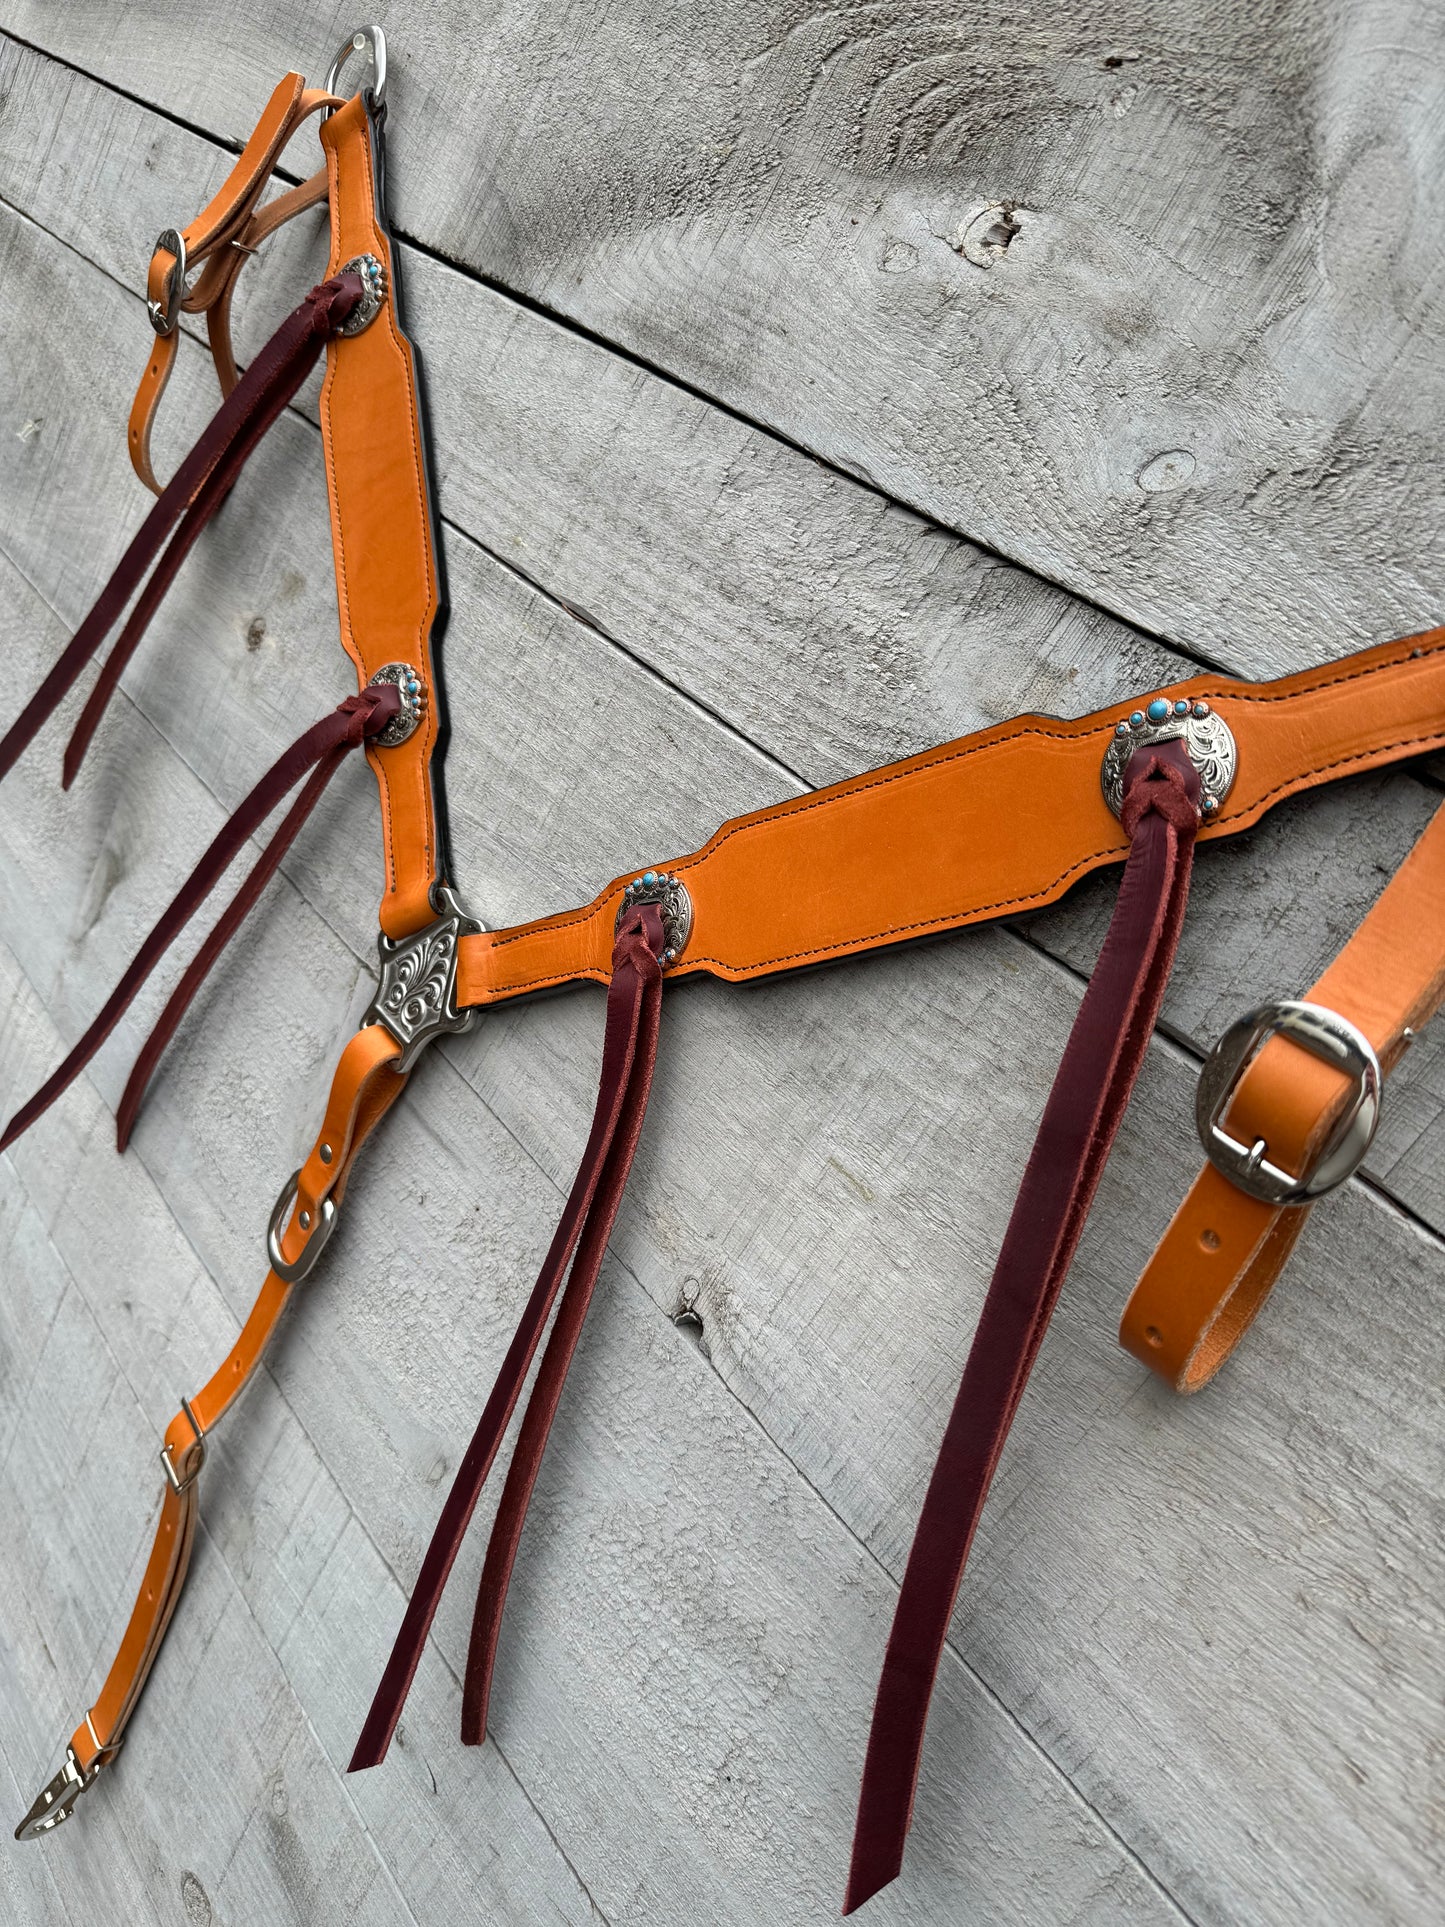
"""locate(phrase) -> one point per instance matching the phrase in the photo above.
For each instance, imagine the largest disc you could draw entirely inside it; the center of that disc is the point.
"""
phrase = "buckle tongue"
(1336, 1042)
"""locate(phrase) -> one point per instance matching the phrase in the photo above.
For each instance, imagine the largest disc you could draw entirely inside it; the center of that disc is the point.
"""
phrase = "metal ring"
(365, 40)
(294, 1272)
(1336, 1042)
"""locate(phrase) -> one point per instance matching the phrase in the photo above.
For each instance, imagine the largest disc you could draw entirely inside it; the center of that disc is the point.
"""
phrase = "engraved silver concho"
(417, 997)
(1207, 739)
(373, 292)
(413, 702)
(674, 906)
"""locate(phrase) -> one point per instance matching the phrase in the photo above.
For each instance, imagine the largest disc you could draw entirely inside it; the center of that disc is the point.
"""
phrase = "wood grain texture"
(1198, 386)
(827, 626)
(1195, 1667)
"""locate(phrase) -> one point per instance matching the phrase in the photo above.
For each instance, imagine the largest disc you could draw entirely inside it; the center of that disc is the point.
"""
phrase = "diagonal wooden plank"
(1200, 384)
(679, 532)
(874, 1228)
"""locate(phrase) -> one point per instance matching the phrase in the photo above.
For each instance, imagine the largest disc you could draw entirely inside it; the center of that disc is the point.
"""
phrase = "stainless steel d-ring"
(366, 40)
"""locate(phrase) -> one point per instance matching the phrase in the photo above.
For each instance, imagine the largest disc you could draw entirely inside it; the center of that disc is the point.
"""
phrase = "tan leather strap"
(1224, 1250)
(218, 243)
(387, 577)
(940, 840)
(363, 1089)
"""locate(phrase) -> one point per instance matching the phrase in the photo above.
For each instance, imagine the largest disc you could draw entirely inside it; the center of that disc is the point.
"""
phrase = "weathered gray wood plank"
(681, 533)
(831, 1225)
(886, 1200)
(1201, 385)
(317, 1505)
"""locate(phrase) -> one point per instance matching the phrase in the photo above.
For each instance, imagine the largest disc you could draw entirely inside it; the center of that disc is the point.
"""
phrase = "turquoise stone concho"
(1207, 739)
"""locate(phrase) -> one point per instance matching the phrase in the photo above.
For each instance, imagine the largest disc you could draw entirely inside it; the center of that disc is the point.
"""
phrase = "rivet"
(325, 1154)
(305, 1221)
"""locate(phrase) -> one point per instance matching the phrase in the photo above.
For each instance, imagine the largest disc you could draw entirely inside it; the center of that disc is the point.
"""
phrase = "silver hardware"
(413, 702)
(56, 1800)
(323, 1151)
(166, 312)
(366, 40)
(293, 1272)
(416, 999)
(179, 1485)
(1324, 1034)
(1207, 738)
(373, 292)
(669, 893)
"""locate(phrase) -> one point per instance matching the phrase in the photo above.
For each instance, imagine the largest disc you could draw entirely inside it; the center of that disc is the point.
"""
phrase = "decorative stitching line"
(958, 918)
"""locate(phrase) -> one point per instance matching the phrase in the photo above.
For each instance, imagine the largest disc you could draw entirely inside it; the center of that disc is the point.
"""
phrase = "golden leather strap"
(388, 585)
(219, 242)
(363, 1089)
(1224, 1250)
(941, 840)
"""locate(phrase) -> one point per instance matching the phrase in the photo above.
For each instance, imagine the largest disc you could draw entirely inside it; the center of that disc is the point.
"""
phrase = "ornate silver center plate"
(417, 997)
(1206, 737)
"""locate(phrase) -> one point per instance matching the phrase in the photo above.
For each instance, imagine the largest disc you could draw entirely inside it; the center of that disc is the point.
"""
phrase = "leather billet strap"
(218, 243)
(365, 1086)
(994, 825)
(388, 558)
(629, 1051)
(1222, 1253)
(1081, 1119)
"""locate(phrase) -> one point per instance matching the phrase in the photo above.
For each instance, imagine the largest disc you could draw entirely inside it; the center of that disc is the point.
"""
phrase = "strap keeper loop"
(177, 1484)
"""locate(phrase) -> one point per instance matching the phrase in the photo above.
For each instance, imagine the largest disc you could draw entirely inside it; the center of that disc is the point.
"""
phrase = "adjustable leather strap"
(364, 1088)
(1084, 1109)
(198, 489)
(994, 825)
(628, 1054)
(219, 242)
(1224, 1250)
(321, 750)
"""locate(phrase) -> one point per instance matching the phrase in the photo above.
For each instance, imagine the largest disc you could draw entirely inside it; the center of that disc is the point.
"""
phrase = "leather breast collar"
(998, 823)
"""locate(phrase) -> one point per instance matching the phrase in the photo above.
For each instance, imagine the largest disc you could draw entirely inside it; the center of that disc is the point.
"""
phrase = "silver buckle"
(416, 999)
(295, 1272)
(1336, 1042)
(56, 1800)
(166, 312)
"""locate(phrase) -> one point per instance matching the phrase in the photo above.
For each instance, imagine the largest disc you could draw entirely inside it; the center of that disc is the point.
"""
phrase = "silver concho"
(1207, 738)
(413, 702)
(373, 292)
(417, 997)
(674, 905)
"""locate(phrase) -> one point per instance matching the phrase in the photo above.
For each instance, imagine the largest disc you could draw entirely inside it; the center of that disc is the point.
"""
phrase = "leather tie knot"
(634, 947)
(1163, 781)
(332, 302)
(371, 710)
